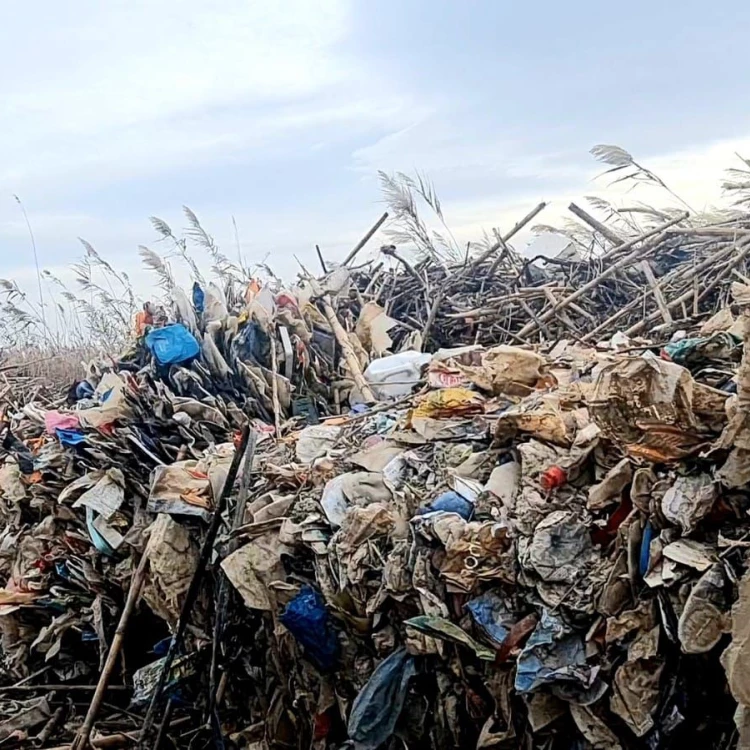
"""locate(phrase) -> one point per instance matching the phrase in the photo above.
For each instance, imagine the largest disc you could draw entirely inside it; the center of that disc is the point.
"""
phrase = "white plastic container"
(394, 376)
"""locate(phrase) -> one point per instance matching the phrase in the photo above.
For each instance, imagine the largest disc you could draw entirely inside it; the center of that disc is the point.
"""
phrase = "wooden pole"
(346, 347)
(320, 258)
(517, 227)
(349, 258)
(658, 296)
(596, 225)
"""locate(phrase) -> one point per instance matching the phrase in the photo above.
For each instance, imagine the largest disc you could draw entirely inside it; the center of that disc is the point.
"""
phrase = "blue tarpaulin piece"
(70, 437)
(376, 709)
(99, 541)
(172, 345)
(307, 619)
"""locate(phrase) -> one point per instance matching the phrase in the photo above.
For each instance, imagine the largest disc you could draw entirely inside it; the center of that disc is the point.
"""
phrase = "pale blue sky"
(280, 114)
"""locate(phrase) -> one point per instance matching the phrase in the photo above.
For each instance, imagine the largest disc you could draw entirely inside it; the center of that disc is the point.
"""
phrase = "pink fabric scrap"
(55, 420)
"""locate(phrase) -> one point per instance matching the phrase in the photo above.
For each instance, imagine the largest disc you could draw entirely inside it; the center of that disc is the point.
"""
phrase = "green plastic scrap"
(439, 627)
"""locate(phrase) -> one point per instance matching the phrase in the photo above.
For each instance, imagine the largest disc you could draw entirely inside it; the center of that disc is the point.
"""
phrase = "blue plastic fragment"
(70, 437)
(162, 647)
(645, 556)
(84, 390)
(199, 298)
(99, 541)
(376, 709)
(553, 654)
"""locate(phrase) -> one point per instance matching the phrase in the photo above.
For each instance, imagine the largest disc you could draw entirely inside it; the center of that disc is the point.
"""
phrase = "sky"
(279, 115)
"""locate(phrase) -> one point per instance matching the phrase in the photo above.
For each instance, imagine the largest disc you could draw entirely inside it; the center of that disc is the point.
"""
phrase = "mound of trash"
(413, 505)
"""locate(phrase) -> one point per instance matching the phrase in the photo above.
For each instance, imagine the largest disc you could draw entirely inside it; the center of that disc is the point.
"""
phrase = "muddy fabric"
(173, 557)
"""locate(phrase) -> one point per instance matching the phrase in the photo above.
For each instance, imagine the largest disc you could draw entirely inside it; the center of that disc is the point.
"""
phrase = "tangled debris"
(419, 505)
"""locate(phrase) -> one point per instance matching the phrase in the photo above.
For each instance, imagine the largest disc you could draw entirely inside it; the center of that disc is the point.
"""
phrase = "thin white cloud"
(122, 89)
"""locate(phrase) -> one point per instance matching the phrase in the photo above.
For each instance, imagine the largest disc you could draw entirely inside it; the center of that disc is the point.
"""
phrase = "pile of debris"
(430, 506)
(657, 280)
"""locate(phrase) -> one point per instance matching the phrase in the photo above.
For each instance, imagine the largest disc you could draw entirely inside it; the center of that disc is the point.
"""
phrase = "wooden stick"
(596, 225)
(320, 258)
(696, 295)
(583, 313)
(391, 252)
(275, 386)
(51, 726)
(164, 725)
(658, 296)
(222, 595)
(431, 317)
(82, 738)
(517, 227)
(561, 316)
(104, 743)
(607, 272)
(530, 312)
(349, 258)
(346, 347)
(50, 687)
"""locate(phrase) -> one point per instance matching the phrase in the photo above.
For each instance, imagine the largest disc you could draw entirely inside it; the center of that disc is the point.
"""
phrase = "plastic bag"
(173, 344)
(376, 709)
(307, 619)
(450, 502)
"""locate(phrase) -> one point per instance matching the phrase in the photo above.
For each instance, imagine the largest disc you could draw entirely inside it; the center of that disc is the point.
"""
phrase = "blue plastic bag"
(307, 619)
(645, 556)
(199, 298)
(450, 502)
(376, 709)
(172, 345)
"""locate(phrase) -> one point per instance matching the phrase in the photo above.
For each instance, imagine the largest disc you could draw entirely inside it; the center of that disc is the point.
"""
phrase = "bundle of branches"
(666, 273)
